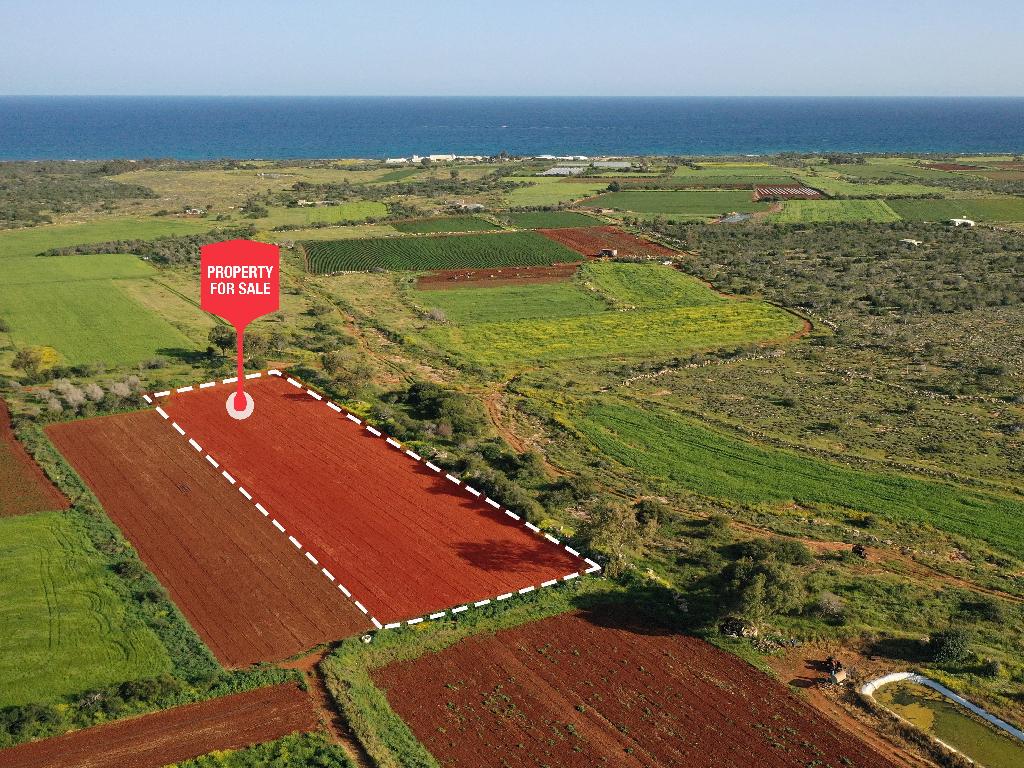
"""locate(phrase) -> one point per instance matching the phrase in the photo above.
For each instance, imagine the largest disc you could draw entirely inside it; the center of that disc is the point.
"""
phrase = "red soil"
(241, 585)
(403, 539)
(154, 740)
(489, 278)
(23, 486)
(589, 241)
(602, 689)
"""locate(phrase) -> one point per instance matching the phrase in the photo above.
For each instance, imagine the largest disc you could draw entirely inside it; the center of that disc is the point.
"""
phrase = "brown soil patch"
(404, 539)
(490, 278)
(590, 241)
(24, 486)
(950, 166)
(785, 192)
(154, 740)
(604, 688)
(241, 585)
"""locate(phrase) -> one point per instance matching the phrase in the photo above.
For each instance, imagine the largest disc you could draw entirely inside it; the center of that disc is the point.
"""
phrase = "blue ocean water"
(303, 127)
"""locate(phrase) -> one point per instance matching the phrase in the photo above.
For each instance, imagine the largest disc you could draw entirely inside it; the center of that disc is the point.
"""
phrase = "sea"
(197, 128)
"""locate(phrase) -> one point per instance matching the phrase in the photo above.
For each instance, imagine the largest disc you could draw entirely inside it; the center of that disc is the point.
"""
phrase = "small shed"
(910, 242)
(962, 222)
(612, 252)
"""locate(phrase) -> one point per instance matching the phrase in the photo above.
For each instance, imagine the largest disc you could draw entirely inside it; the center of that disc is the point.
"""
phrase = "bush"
(950, 646)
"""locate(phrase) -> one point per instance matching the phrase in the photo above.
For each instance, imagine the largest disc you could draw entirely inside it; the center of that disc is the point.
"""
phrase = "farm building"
(441, 158)
(396, 161)
(962, 222)
(614, 164)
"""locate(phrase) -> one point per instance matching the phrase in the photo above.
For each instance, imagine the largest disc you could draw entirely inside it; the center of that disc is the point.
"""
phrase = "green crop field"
(680, 450)
(617, 310)
(813, 211)
(550, 191)
(977, 208)
(455, 252)
(550, 219)
(33, 240)
(76, 305)
(401, 174)
(444, 224)
(356, 210)
(833, 185)
(878, 168)
(466, 306)
(679, 202)
(65, 629)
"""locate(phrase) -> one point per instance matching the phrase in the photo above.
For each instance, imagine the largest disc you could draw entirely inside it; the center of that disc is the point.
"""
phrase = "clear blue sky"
(557, 47)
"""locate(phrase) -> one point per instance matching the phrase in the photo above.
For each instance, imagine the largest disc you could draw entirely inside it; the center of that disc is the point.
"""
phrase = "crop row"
(419, 253)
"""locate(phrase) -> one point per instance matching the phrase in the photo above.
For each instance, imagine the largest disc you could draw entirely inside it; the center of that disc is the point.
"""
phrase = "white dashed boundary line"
(592, 566)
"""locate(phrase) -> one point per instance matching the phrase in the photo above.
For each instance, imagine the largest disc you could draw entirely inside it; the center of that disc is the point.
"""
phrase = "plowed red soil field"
(405, 540)
(583, 690)
(151, 741)
(462, 278)
(589, 241)
(24, 486)
(242, 586)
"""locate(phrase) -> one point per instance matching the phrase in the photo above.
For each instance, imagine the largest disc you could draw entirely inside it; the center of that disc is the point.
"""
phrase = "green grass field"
(550, 191)
(65, 629)
(1009, 209)
(357, 210)
(76, 305)
(661, 444)
(668, 313)
(29, 242)
(512, 303)
(444, 224)
(815, 211)
(832, 185)
(549, 219)
(455, 252)
(698, 203)
(400, 174)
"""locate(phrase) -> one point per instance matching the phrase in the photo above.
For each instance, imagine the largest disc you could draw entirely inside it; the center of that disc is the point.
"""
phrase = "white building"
(396, 161)
(620, 164)
(963, 222)
(441, 158)
(563, 170)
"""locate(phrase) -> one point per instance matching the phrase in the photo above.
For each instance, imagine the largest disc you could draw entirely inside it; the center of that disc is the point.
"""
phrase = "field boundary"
(452, 611)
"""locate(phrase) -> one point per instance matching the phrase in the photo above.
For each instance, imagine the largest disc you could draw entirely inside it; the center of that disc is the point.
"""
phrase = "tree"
(615, 531)
(758, 590)
(950, 646)
(223, 337)
(35, 360)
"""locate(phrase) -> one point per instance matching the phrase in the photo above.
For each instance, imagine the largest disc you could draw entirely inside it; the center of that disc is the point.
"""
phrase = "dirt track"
(403, 539)
(241, 585)
(24, 486)
(154, 740)
(581, 690)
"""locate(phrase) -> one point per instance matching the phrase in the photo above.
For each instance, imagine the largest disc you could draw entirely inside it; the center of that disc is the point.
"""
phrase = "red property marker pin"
(241, 281)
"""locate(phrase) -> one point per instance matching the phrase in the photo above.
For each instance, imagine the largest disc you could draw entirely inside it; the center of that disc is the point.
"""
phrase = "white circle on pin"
(246, 412)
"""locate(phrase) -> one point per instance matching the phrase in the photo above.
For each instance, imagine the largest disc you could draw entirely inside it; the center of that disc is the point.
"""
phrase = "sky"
(522, 48)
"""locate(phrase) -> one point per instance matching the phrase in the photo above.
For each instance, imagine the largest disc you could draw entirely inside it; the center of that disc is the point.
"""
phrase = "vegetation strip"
(592, 566)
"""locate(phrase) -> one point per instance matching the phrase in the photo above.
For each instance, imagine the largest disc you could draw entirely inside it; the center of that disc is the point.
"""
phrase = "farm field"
(444, 224)
(80, 319)
(590, 241)
(462, 278)
(550, 191)
(35, 240)
(682, 316)
(160, 738)
(818, 211)
(67, 630)
(25, 487)
(422, 253)
(602, 688)
(223, 564)
(678, 450)
(834, 185)
(1010, 209)
(549, 219)
(405, 540)
(681, 202)
(514, 303)
(349, 232)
